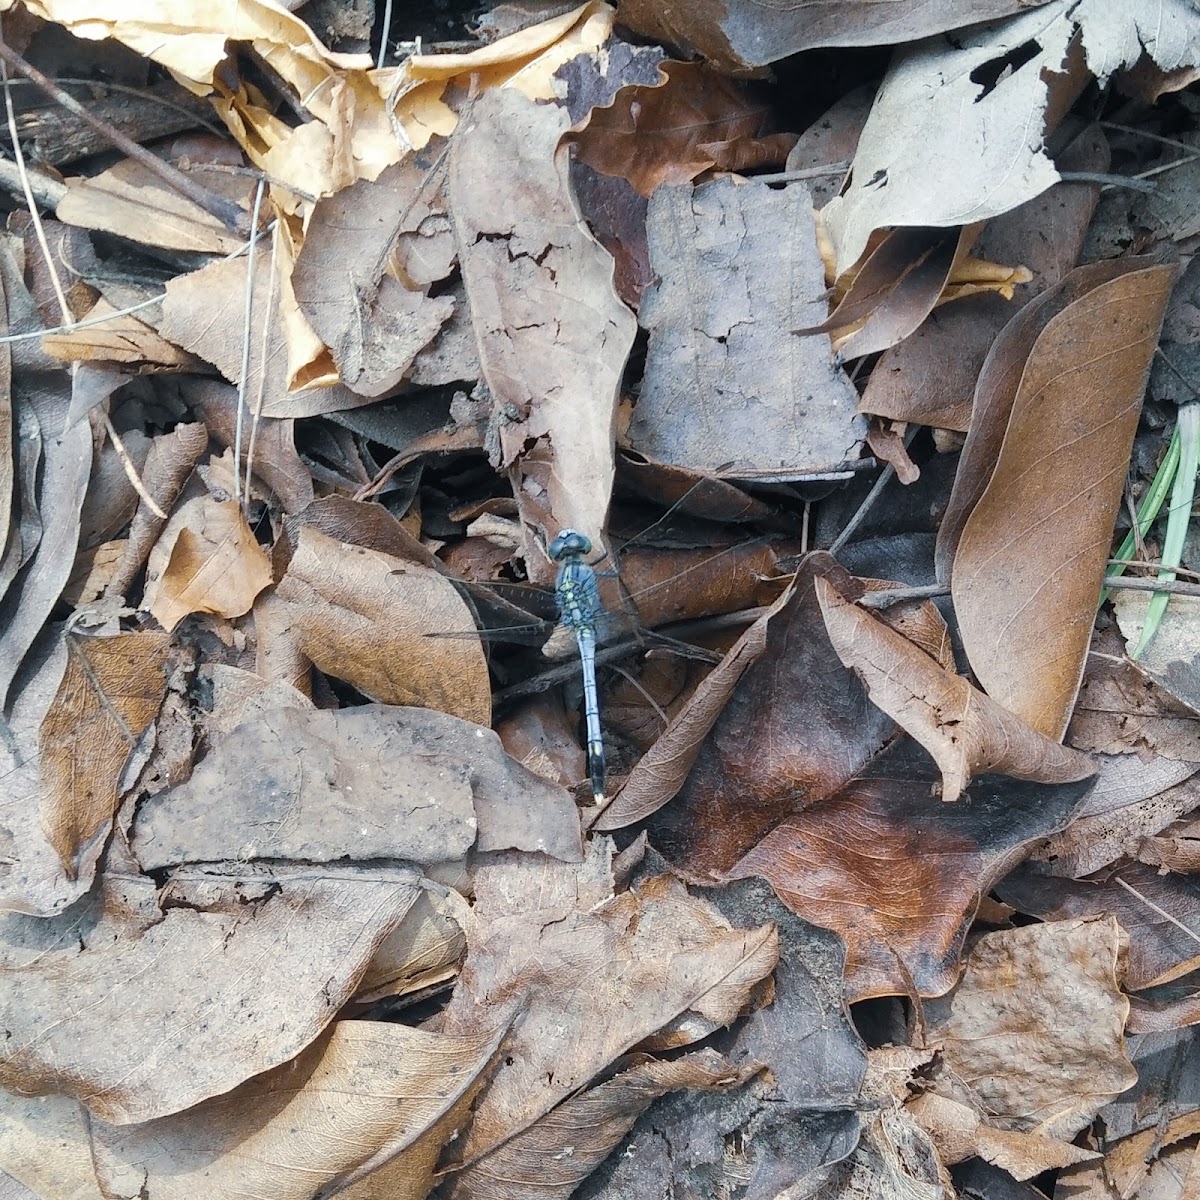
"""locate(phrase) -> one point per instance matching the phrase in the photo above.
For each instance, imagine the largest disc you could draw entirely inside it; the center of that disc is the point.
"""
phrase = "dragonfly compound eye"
(569, 541)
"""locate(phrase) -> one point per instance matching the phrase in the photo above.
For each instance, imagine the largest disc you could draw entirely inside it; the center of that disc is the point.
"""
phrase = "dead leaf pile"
(316, 334)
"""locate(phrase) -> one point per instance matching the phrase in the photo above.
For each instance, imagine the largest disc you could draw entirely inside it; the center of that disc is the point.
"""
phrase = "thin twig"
(876, 491)
(228, 213)
(837, 168)
(1175, 586)
(264, 345)
(1162, 912)
(1153, 137)
(131, 472)
(247, 325)
(1150, 566)
(1101, 177)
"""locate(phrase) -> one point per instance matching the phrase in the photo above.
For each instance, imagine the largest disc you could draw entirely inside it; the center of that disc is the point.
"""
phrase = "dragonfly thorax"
(568, 544)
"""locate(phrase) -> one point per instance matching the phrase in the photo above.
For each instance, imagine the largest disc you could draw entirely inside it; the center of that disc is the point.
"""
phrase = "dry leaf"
(725, 378)
(965, 731)
(109, 694)
(236, 980)
(736, 34)
(1028, 568)
(897, 873)
(44, 1145)
(688, 120)
(371, 1103)
(580, 966)
(365, 617)
(553, 337)
(929, 378)
(1044, 1056)
(213, 564)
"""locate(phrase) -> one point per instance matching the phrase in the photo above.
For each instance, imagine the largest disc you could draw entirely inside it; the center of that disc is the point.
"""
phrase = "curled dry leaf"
(689, 120)
(965, 731)
(424, 950)
(930, 377)
(123, 339)
(737, 34)
(591, 1123)
(552, 335)
(370, 1102)
(897, 873)
(213, 564)
(1029, 564)
(1042, 1058)
(238, 979)
(110, 692)
(739, 269)
(366, 617)
(581, 967)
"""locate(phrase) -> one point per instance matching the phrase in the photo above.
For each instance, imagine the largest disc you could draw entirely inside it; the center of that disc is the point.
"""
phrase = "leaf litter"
(302, 891)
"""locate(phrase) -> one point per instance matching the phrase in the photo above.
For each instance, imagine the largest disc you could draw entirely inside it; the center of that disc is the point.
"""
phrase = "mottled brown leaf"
(690, 120)
(552, 335)
(1028, 567)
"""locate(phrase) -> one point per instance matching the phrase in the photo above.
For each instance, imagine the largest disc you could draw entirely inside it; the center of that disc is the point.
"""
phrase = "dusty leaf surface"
(1067, 1021)
(552, 335)
(739, 270)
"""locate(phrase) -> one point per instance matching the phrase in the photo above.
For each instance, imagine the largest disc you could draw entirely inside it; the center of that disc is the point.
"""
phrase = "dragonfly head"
(569, 542)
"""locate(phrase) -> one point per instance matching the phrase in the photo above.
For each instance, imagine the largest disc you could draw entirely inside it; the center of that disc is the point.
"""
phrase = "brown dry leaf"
(736, 34)
(959, 1132)
(371, 1105)
(689, 120)
(169, 463)
(213, 564)
(739, 269)
(364, 616)
(661, 771)
(205, 313)
(930, 377)
(424, 950)
(934, 111)
(965, 731)
(577, 965)
(897, 873)
(1028, 568)
(124, 340)
(591, 1124)
(373, 320)
(1045, 1055)
(1157, 1164)
(235, 978)
(553, 337)
(1159, 912)
(129, 201)
(109, 694)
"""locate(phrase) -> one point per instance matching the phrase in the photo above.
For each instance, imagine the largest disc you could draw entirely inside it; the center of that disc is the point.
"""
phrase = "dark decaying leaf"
(1028, 568)
(930, 377)
(234, 979)
(727, 386)
(368, 1100)
(897, 873)
(796, 728)
(737, 34)
(552, 335)
(687, 121)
